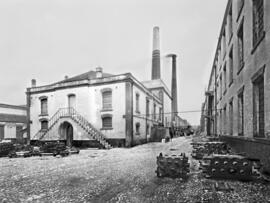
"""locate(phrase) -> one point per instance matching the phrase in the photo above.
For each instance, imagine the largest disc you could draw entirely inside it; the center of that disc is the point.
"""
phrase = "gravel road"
(116, 175)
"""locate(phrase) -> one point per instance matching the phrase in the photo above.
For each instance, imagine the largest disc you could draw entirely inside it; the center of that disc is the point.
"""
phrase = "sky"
(49, 39)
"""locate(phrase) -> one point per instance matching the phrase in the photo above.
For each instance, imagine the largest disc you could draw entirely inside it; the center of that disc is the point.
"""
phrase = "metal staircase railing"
(80, 120)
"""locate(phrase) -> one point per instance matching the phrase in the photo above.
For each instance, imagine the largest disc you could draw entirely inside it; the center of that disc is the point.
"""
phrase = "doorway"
(66, 131)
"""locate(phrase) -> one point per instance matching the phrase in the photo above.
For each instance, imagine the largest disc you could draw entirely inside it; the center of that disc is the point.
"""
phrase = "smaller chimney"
(98, 72)
(33, 83)
(66, 77)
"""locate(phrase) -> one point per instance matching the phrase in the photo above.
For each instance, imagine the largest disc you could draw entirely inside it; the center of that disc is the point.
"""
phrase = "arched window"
(71, 101)
(44, 124)
(44, 105)
(106, 121)
(137, 103)
(107, 99)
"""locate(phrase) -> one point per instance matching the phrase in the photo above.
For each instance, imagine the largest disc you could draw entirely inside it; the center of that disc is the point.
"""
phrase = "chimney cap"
(33, 82)
(171, 55)
(99, 69)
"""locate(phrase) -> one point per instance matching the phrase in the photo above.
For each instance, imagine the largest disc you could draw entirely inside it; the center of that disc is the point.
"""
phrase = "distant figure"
(171, 133)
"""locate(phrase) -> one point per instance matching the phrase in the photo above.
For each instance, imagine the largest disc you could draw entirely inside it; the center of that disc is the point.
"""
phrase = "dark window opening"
(258, 107)
(231, 117)
(258, 22)
(241, 114)
(107, 122)
(107, 100)
(137, 103)
(44, 125)
(44, 106)
(137, 128)
(240, 36)
(231, 66)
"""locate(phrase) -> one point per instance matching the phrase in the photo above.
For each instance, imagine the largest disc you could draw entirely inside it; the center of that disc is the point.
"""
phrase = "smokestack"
(174, 87)
(156, 55)
(33, 83)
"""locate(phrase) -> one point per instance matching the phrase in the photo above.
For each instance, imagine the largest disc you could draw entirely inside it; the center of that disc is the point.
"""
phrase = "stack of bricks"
(174, 166)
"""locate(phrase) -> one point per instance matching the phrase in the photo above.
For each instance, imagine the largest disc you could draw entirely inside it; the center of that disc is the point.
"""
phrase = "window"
(147, 107)
(230, 23)
(258, 107)
(240, 5)
(44, 106)
(19, 134)
(225, 78)
(220, 122)
(231, 67)
(241, 113)
(72, 101)
(160, 114)
(225, 120)
(155, 112)
(137, 103)
(220, 86)
(44, 125)
(231, 117)
(258, 22)
(107, 99)
(224, 42)
(106, 122)
(137, 128)
(240, 36)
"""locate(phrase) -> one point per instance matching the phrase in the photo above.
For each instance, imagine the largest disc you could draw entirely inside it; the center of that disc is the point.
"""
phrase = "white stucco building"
(97, 108)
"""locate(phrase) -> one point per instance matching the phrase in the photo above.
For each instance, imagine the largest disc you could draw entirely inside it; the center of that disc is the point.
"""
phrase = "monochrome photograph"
(132, 101)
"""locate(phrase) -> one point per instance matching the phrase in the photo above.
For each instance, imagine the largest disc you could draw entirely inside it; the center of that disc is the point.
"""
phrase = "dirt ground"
(116, 175)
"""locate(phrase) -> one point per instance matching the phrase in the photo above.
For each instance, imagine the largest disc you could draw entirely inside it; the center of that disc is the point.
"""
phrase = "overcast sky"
(49, 39)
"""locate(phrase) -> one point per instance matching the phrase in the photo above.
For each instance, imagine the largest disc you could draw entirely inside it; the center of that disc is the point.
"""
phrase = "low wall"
(254, 148)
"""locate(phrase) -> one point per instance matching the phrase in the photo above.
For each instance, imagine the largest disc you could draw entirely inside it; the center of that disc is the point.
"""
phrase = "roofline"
(219, 38)
(87, 82)
(8, 106)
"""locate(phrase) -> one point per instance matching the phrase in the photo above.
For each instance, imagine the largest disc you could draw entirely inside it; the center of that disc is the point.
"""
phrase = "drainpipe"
(215, 118)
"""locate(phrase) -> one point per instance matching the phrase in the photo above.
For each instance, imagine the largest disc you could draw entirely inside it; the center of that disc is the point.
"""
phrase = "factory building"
(237, 101)
(101, 108)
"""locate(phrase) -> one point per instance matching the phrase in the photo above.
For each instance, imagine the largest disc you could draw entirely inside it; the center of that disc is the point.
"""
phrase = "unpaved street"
(117, 175)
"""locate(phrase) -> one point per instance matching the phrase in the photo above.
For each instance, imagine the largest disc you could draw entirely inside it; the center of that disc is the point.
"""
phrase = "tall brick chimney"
(156, 55)
(174, 87)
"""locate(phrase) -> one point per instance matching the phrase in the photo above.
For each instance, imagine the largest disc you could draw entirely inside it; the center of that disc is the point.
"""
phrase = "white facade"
(87, 100)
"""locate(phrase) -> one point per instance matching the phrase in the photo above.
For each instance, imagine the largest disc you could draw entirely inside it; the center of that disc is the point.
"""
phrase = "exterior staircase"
(80, 120)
